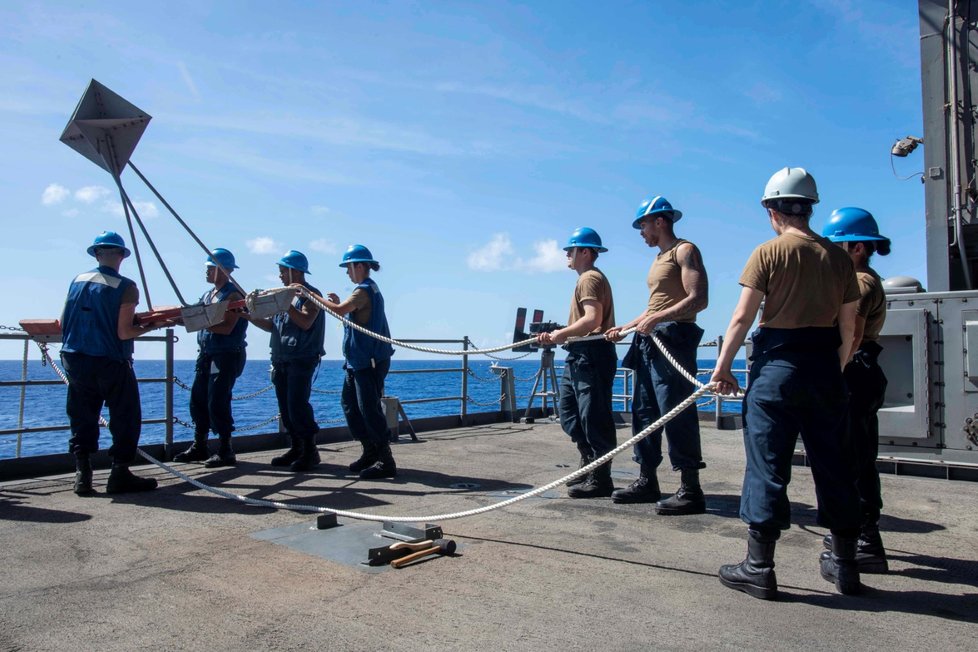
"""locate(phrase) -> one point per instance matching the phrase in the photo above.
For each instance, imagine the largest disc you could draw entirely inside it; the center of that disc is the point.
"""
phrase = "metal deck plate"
(346, 544)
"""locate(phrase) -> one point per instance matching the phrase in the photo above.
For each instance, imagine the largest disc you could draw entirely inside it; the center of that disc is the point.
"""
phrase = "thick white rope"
(607, 457)
(428, 518)
(424, 349)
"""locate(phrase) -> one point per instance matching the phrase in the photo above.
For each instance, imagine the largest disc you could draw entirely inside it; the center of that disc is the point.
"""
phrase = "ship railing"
(464, 370)
(169, 338)
(170, 380)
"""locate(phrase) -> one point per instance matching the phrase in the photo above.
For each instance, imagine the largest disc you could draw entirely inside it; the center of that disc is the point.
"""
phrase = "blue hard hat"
(585, 237)
(658, 206)
(853, 224)
(295, 260)
(221, 257)
(357, 253)
(109, 239)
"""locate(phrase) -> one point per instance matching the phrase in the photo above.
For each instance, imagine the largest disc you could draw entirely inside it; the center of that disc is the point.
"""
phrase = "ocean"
(45, 405)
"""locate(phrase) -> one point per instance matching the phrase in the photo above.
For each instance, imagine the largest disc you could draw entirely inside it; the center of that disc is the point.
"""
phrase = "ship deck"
(180, 568)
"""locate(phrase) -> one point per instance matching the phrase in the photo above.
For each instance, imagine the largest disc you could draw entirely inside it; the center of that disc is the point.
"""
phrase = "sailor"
(589, 368)
(367, 362)
(678, 289)
(810, 294)
(297, 346)
(97, 332)
(856, 231)
(220, 361)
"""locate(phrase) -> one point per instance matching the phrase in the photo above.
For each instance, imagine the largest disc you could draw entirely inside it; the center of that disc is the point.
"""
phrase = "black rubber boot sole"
(664, 508)
(761, 592)
(217, 460)
(624, 496)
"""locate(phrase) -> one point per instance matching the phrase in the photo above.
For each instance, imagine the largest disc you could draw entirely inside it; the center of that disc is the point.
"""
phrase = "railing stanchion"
(465, 381)
(168, 395)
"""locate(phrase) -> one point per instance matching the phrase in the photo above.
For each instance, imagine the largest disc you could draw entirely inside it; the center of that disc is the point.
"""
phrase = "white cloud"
(91, 194)
(493, 256)
(320, 210)
(263, 245)
(54, 194)
(71, 212)
(500, 255)
(549, 257)
(323, 245)
(146, 210)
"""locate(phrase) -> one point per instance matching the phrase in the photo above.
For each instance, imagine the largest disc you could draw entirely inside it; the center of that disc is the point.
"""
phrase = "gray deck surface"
(182, 569)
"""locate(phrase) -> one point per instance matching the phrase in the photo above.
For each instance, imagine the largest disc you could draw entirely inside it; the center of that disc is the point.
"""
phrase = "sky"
(462, 142)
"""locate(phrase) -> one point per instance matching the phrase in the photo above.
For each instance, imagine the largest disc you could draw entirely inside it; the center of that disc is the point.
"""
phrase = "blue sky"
(461, 142)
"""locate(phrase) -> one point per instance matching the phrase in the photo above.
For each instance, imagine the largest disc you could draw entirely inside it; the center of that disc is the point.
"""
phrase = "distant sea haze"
(45, 405)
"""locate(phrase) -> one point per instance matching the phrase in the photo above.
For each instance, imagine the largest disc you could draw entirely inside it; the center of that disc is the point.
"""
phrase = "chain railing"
(505, 402)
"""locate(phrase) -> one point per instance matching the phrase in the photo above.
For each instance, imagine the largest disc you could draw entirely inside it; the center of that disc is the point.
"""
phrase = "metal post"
(168, 394)
(23, 392)
(465, 380)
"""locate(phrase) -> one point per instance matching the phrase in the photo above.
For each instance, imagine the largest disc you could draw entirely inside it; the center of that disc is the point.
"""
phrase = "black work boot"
(870, 554)
(197, 451)
(755, 575)
(384, 467)
(839, 565)
(224, 455)
(122, 481)
(309, 457)
(598, 484)
(587, 456)
(291, 455)
(367, 458)
(643, 490)
(688, 499)
(83, 475)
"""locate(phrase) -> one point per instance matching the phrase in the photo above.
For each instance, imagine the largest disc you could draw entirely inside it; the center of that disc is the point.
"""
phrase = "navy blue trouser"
(210, 396)
(795, 390)
(362, 390)
(293, 385)
(659, 387)
(585, 395)
(94, 381)
(867, 389)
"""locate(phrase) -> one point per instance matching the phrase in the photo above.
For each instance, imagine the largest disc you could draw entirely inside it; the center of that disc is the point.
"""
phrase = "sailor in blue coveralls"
(367, 362)
(297, 347)
(810, 294)
(97, 346)
(219, 363)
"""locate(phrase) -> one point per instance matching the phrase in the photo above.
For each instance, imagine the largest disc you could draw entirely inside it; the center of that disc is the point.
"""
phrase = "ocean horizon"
(44, 405)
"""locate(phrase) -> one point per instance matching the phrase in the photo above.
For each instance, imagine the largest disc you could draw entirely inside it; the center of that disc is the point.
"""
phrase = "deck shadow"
(345, 491)
(873, 600)
(12, 509)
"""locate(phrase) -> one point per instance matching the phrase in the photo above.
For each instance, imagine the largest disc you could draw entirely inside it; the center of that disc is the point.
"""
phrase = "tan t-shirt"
(872, 304)
(362, 307)
(805, 281)
(665, 281)
(593, 285)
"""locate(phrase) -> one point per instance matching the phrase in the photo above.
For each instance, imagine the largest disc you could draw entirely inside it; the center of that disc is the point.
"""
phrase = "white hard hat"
(791, 183)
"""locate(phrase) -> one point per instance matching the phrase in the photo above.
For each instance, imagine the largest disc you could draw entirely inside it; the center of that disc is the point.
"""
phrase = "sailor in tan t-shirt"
(809, 290)
(855, 230)
(589, 368)
(678, 289)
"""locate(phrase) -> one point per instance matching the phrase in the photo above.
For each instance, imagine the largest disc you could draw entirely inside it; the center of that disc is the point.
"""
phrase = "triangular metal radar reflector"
(105, 128)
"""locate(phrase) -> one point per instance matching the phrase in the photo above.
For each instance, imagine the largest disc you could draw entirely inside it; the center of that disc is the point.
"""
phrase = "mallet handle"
(411, 545)
(397, 563)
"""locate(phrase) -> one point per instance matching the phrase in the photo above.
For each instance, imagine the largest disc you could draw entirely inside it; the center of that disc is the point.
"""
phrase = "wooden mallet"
(438, 547)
